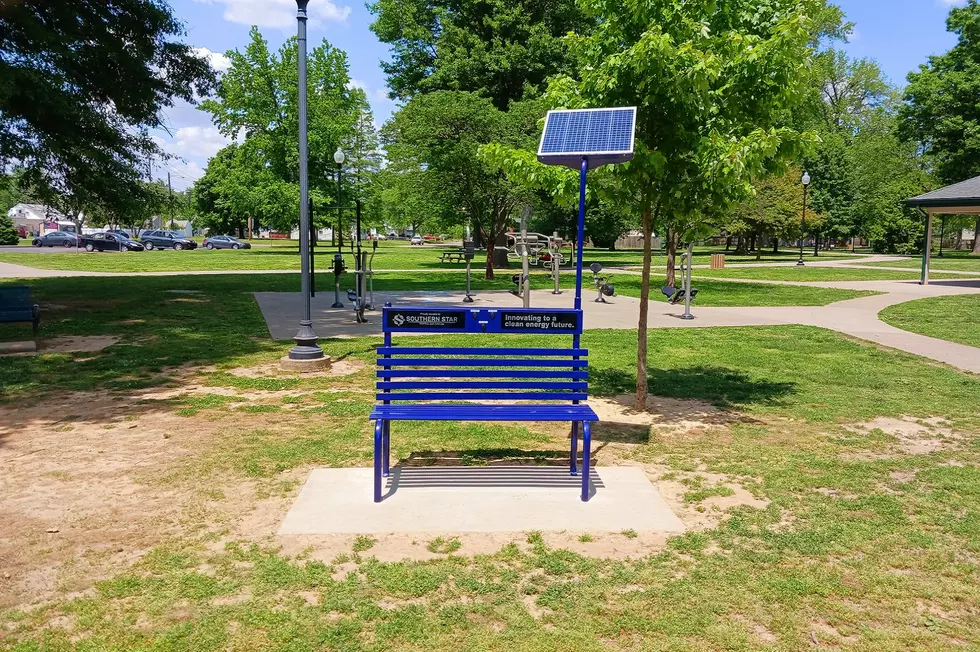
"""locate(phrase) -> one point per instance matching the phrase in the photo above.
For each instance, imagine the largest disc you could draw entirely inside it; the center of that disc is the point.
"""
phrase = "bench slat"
(481, 396)
(480, 373)
(480, 385)
(477, 362)
(414, 350)
(484, 413)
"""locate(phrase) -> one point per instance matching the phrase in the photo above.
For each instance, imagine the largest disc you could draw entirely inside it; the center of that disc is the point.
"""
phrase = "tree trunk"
(976, 237)
(775, 245)
(753, 245)
(489, 270)
(816, 246)
(741, 246)
(671, 255)
(728, 243)
(641, 327)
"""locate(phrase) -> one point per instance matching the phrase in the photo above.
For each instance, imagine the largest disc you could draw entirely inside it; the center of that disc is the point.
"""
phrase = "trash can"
(717, 261)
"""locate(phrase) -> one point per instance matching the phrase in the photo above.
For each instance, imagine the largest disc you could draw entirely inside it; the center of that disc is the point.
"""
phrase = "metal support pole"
(555, 261)
(312, 253)
(927, 252)
(942, 235)
(306, 340)
(467, 254)
(525, 269)
(581, 233)
(340, 209)
(800, 262)
(686, 275)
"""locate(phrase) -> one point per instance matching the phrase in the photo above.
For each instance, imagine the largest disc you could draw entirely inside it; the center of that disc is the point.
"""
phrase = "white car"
(418, 240)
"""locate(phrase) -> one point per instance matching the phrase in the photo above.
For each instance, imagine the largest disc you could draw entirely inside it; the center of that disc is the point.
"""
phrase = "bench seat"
(477, 412)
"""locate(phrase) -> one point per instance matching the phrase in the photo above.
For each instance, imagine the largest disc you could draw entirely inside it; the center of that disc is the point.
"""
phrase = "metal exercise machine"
(603, 289)
(522, 246)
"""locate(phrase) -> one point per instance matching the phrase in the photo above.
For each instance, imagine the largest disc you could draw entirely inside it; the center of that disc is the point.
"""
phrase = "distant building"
(31, 219)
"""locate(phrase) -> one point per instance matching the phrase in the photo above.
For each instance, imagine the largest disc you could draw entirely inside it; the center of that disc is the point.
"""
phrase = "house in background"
(30, 219)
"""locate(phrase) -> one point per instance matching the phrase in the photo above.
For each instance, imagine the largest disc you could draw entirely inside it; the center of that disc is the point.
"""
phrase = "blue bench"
(415, 383)
(16, 306)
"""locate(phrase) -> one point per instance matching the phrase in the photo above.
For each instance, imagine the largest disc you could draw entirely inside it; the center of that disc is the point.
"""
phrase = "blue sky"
(899, 34)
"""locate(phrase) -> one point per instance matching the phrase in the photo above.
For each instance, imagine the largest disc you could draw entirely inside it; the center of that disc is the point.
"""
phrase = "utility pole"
(171, 188)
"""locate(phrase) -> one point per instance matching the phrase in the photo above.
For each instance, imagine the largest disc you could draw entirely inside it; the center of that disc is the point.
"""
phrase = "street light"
(806, 184)
(338, 158)
(306, 349)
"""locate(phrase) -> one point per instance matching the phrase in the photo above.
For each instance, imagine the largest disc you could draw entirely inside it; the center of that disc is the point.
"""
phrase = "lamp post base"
(800, 263)
(316, 364)
(306, 347)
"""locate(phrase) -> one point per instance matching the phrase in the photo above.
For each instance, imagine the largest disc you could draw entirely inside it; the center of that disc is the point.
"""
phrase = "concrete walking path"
(855, 317)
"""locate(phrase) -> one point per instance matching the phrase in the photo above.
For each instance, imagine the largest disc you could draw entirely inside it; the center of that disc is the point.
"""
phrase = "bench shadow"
(487, 477)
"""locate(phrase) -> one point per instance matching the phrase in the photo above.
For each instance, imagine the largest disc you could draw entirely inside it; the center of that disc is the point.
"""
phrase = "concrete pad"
(478, 499)
(28, 346)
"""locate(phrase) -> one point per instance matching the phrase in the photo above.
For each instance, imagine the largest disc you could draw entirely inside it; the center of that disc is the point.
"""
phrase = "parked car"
(392, 236)
(110, 242)
(225, 242)
(120, 232)
(418, 240)
(378, 236)
(166, 240)
(56, 239)
(431, 238)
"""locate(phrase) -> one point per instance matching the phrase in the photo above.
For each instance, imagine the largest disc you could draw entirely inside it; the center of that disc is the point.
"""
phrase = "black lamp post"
(306, 347)
(806, 184)
(338, 158)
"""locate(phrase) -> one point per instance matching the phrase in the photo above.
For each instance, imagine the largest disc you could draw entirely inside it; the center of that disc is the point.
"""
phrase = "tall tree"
(504, 49)
(257, 99)
(81, 83)
(437, 136)
(941, 111)
(775, 210)
(713, 83)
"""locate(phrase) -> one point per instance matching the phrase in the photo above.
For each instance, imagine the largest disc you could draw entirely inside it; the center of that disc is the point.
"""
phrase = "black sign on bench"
(564, 321)
(404, 320)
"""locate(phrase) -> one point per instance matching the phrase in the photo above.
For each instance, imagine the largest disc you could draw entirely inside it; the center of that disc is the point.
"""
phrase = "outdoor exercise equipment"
(415, 381)
(339, 267)
(686, 293)
(523, 247)
(603, 289)
(554, 260)
(369, 272)
(361, 273)
(469, 252)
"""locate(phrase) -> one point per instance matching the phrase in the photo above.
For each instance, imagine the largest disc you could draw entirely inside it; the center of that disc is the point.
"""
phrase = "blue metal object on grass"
(557, 379)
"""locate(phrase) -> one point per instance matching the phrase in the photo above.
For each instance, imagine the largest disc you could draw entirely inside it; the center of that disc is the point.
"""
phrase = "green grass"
(956, 319)
(810, 274)
(861, 546)
(954, 261)
(283, 255)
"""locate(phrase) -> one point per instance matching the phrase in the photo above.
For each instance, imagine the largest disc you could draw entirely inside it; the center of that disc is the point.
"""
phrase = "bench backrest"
(429, 373)
(16, 297)
(413, 373)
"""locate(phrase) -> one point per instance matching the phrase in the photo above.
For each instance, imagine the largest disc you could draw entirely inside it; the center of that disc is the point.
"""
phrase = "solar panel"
(602, 135)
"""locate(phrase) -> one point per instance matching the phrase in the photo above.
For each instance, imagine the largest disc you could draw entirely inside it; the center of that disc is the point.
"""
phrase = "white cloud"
(952, 3)
(217, 60)
(357, 83)
(279, 13)
(195, 142)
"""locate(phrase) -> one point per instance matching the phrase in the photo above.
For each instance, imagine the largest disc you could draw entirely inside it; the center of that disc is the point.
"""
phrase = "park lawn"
(852, 541)
(956, 318)
(813, 274)
(283, 255)
(954, 261)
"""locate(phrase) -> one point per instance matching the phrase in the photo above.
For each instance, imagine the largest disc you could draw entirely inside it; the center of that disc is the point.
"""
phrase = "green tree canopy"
(257, 100)
(436, 138)
(80, 85)
(504, 49)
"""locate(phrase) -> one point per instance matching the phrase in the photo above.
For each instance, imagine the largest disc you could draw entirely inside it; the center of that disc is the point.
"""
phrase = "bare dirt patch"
(915, 436)
(78, 344)
(272, 370)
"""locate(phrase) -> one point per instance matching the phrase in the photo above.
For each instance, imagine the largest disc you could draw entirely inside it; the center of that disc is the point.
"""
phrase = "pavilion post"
(927, 252)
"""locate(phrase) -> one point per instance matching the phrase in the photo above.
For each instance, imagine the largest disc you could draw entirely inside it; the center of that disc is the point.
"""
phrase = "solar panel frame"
(604, 136)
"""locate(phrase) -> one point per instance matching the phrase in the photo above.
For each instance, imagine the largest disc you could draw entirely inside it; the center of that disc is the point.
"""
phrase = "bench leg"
(586, 458)
(378, 445)
(386, 454)
(572, 467)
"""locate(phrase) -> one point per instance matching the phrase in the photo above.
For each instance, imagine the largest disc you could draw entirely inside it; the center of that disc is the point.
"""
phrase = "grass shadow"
(724, 388)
